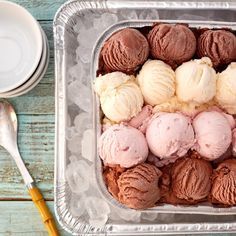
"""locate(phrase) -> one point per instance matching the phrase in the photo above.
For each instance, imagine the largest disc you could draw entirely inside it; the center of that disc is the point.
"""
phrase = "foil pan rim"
(64, 217)
(62, 11)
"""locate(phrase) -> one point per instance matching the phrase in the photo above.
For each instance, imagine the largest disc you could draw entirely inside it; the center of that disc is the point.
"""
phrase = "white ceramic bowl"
(37, 75)
(21, 45)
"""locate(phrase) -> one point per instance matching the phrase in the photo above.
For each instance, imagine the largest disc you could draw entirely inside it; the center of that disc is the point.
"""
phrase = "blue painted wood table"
(18, 215)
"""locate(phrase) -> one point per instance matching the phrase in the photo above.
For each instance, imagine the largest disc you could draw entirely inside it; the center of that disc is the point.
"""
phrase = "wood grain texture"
(22, 218)
(36, 144)
(41, 9)
(40, 100)
(48, 29)
(36, 141)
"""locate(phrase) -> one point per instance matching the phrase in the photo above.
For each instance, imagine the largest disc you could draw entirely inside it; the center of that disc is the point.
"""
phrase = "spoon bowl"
(8, 126)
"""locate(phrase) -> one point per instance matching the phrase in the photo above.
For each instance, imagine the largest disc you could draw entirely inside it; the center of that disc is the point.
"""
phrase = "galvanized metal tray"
(168, 220)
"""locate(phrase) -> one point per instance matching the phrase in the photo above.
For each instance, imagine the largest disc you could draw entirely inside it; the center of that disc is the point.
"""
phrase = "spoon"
(8, 140)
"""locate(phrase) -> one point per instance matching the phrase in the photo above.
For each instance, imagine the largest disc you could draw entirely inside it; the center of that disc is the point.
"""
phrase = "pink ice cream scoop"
(234, 141)
(123, 145)
(170, 135)
(213, 134)
(228, 117)
(142, 119)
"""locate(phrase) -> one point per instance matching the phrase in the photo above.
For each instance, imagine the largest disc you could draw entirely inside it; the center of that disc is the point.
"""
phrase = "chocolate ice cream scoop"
(167, 195)
(224, 183)
(218, 45)
(110, 176)
(138, 187)
(125, 51)
(191, 179)
(173, 44)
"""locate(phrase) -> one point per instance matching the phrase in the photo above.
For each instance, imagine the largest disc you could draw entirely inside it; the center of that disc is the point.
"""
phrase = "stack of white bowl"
(24, 50)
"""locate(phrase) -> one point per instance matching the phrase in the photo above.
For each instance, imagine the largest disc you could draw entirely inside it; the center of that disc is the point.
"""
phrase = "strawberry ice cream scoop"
(170, 135)
(142, 119)
(123, 145)
(213, 134)
(234, 141)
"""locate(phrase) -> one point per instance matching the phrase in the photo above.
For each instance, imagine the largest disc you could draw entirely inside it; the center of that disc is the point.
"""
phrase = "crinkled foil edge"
(61, 189)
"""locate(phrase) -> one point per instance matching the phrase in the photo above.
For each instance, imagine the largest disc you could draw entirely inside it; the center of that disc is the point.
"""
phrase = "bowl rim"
(36, 76)
(36, 30)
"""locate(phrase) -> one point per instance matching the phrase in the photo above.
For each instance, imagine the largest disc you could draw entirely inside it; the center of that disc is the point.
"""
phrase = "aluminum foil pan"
(204, 208)
(168, 219)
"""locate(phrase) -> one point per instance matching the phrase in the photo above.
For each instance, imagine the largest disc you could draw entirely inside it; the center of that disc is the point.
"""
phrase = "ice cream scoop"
(157, 82)
(191, 179)
(142, 119)
(167, 195)
(234, 141)
(111, 81)
(106, 123)
(226, 89)
(173, 44)
(125, 50)
(190, 109)
(213, 134)
(138, 187)
(228, 117)
(110, 176)
(122, 145)
(196, 81)
(224, 183)
(120, 97)
(170, 135)
(158, 162)
(218, 45)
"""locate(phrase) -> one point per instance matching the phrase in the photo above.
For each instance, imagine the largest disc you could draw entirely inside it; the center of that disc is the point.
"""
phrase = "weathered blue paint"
(36, 142)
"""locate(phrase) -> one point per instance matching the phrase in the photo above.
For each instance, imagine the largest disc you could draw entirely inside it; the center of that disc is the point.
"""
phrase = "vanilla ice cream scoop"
(190, 109)
(157, 82)
(170, 135)
(226, 89)
(110, 81)
(213, 134)
(196, 81)
(120, 97)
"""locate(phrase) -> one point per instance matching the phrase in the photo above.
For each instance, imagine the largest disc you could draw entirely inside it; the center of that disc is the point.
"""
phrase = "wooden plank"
(36, 142)
(22, 219)
(40, 100)
(41, 10)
